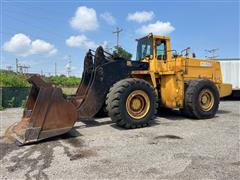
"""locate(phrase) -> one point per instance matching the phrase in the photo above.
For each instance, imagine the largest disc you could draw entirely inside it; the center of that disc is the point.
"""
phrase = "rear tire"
(132, 103)
(201, 99)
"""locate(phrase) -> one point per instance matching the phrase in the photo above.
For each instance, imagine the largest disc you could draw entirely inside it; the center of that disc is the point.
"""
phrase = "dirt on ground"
(174, 147)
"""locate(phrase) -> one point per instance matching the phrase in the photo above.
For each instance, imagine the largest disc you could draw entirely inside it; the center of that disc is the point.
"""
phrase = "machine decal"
(205, 64)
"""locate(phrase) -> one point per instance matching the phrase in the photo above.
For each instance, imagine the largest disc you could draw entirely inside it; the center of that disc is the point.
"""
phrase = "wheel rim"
(206, 100)
(138, 104)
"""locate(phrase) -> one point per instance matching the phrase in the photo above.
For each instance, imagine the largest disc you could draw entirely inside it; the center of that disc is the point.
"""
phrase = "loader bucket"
(47, 113)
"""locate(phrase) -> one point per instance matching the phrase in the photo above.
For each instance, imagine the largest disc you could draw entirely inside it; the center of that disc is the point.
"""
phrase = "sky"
(44, 33)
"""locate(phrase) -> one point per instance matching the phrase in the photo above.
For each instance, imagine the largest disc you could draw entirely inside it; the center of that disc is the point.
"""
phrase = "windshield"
(144, 48)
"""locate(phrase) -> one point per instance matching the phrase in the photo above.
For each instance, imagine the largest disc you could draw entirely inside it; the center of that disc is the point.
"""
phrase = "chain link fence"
(13, 96)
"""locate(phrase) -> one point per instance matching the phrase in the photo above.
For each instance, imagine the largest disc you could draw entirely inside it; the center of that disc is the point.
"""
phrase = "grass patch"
(69, 90)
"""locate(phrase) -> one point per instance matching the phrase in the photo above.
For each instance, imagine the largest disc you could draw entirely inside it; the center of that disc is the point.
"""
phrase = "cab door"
(164, 62)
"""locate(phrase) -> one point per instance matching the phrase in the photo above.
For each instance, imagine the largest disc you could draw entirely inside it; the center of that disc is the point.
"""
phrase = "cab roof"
(155, 36)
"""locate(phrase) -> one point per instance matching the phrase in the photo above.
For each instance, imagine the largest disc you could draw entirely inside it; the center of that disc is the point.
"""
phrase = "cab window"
(161, 51)
(144, 48)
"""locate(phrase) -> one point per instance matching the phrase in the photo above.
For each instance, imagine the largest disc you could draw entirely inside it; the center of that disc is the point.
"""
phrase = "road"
(172, 148)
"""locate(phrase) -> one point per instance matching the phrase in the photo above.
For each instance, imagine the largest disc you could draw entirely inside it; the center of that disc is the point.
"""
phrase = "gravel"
(172, 148)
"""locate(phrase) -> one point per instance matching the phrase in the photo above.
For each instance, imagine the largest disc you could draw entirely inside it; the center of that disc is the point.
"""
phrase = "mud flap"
(47, 113)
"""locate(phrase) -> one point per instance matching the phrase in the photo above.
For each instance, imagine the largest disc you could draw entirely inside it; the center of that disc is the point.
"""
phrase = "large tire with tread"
(194, 106)
(117, 103)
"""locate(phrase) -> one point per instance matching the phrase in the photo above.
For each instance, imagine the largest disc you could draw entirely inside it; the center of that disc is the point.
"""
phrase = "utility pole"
(117, 32)
(20, 67)
(16, 65)
(23, 68)
(55, 67)
(69, 68)
(212, 53)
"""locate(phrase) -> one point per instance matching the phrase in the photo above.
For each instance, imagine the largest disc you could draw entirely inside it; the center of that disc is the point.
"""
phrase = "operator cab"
(152, 47)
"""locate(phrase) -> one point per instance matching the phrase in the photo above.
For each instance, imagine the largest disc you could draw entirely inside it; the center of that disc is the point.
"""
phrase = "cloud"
(40, 46)
(85, 19)
(21, 44)
(141, 16)
(161, 28)
(108, 18)
(80, 41)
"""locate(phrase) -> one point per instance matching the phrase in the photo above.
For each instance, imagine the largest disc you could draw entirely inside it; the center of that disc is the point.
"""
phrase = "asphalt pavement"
(174, 147)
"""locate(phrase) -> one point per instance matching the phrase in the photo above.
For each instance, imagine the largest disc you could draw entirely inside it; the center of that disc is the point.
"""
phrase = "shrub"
(14, 88)
(11, 102)
(12, 79)
(64, 81)
(1, 108)
(23, 103)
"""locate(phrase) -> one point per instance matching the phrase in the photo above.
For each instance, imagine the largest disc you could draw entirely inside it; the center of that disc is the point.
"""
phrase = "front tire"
(132, 103)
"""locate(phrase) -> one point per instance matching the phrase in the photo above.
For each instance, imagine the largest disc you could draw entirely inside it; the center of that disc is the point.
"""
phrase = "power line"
(21, 67)
(43, 15)
(35, 27)
(212, 53)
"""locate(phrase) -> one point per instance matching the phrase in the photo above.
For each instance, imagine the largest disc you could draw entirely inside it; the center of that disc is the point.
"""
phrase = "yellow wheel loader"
(131, 92)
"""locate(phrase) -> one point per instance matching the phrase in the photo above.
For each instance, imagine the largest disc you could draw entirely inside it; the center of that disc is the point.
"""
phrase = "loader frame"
(130, 90)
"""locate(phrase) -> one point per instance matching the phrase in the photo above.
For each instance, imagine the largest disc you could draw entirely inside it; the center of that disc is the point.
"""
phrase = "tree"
(122, 52)
(12, 79)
